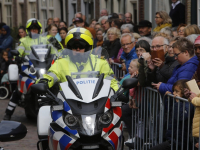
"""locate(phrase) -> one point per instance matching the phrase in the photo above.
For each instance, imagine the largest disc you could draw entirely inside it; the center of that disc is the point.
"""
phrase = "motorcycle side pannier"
(13, 72)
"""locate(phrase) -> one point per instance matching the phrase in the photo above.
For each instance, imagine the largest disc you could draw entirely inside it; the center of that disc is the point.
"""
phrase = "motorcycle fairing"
(57, 117)
(59, 140)
(25, 68)
(24, 84)
(67, 107)
(117, 113)
(115, 137)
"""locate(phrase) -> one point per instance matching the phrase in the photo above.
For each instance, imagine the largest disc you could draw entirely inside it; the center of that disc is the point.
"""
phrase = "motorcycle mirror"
(39, 88)
(12, 131)
(130, 83)
(14, 52)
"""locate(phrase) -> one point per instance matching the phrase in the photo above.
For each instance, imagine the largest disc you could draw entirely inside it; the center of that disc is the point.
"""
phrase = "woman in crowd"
(63, 32)
(97, 26)
(6, 40)
(127, 28)
(180, 30)
(99, 37)
(188, 62)
(162, 20)
(191, 29)
(113, 43)
(92, 24)
(21, 32)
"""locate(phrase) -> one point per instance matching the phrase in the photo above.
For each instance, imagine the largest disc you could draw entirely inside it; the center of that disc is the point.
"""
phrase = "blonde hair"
(164, 15)
(191, 29)
(162, 34)
(136, 35)
(115, 31)
(137, 63)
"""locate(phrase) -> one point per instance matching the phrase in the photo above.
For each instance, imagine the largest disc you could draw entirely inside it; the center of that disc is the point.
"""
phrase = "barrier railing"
(159, 122)
(117, 69)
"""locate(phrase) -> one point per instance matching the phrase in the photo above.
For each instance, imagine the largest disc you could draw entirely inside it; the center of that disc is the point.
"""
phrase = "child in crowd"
(178, 91)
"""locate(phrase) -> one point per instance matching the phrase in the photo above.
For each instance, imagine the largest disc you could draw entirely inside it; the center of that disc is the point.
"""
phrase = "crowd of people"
(164, 58)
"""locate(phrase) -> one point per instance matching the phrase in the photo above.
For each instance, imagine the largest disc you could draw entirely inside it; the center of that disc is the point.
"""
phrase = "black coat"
(163, 74)
(112, 48)
(5, 64)
(178, 15)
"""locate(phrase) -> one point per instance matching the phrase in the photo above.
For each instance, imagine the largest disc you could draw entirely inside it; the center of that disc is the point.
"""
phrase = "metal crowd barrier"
(117, 69)
(159, 119)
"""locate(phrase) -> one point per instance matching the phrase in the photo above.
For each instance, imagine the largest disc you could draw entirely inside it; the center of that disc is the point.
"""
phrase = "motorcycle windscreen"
(82, 72)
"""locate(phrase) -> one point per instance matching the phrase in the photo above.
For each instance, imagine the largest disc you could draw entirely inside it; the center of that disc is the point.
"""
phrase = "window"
(44, 15)
(51, 14)
(33, 10)
(198, 13)
(9, 15)
(8, 1)
(50, 3)
(44, 3)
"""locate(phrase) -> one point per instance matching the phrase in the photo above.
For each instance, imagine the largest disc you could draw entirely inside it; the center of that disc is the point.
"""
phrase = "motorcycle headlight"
(88, 123)
(106, 118)
(42, 71)
(70, 120)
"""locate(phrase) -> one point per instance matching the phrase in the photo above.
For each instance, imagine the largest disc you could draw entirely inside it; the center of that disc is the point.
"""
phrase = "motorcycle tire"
(3, 92)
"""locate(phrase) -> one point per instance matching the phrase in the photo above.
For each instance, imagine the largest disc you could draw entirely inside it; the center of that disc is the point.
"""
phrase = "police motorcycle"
(11, 131)
(88, 111)
(30, 68)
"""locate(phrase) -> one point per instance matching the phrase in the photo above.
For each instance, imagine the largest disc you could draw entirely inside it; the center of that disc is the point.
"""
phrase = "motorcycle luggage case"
(43, 121)
(13, 72)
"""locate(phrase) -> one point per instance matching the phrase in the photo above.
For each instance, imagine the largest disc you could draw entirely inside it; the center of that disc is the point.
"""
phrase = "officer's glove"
(54, 42)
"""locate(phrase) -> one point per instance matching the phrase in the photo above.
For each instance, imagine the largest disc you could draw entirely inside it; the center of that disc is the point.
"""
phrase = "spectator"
(5, 62)
(97, 26)
(128, 44)
(21, 32)
(191, 29)
(103, 12)
(122, 18)
(52, 32)
(174, 31)
(99, 37)
(49, 21)
(1, 25)
(127, 28)
(63, 33)
(180, 29)
(72, 25)
(163, 35)
(144, 28)
(128, 19)
(80, 23)
(177, 13)
(197, 53)
(161, 71)
(180, 123)
(167, 31)
(162, 20)
(113, 43)
(146, 39)
(136, 36)
(62, 24)
(93, 22)
(105, 25)
(184, 53)
(6, 40)
(192, 37)
(116, 23)
(56, 21)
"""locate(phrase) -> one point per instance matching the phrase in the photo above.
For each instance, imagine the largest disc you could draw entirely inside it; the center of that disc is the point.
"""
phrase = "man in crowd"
(128, 20)
(62, 24)
(105, 25)
(56, 21)
(177, 13)
(104, 12)
(80, 23)
(128, 44)
(144, 28)
(121, 18)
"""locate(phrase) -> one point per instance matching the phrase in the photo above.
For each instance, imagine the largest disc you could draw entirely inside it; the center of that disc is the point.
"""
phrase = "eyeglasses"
(126, 44)
(196, 47)
(157, 17)
(157, 46)
(180, 31)
(140, 50)
(176, 55)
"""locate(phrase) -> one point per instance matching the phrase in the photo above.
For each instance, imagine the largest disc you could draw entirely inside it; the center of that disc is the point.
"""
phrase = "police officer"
(33, 29)
(79, 40)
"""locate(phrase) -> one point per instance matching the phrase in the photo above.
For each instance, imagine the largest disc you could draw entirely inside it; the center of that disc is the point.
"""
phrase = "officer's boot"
(9, 110)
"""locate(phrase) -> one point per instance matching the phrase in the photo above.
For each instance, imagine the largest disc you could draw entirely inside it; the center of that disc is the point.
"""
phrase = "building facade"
(17, 12)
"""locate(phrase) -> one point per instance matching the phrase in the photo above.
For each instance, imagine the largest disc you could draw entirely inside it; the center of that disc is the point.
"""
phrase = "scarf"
(99, 43)
(158, 28)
